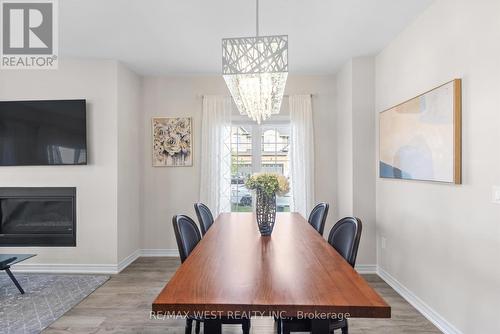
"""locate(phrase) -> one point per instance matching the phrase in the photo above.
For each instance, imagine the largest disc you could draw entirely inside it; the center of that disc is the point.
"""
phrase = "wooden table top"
(234, 269)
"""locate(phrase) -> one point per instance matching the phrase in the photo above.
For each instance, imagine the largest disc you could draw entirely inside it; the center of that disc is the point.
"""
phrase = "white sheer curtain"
(302, 153)
(215, 185)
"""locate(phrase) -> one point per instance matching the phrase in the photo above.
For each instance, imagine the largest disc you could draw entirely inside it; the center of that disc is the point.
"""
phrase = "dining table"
(235, 272)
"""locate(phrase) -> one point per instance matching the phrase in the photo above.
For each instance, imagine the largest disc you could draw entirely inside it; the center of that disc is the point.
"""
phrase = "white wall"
(443, 241)
(344, 141)
(97, 182)
(363, 143)
(356, 150)
(173, 190)
(109, 187)
(130, 146)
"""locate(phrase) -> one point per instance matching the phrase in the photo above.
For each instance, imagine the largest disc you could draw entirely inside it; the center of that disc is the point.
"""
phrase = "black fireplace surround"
(38, 217)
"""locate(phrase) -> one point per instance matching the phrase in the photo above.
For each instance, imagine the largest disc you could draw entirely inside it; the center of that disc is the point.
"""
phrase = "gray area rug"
(46, 299)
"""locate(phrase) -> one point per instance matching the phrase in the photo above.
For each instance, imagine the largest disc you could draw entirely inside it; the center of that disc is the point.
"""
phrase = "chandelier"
(255, 70)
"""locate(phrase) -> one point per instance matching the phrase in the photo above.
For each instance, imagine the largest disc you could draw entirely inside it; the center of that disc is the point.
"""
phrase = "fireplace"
(37, 216)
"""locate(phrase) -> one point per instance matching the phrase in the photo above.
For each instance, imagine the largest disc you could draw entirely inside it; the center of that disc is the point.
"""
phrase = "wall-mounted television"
(47, 132)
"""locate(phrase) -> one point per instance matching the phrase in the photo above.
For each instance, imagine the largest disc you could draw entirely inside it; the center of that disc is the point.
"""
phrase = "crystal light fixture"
(255, 70)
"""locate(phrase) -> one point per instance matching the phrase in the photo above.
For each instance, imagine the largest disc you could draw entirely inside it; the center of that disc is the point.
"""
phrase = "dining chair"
(344, 237)
(317, 217)
(188, 236)
(205, 217)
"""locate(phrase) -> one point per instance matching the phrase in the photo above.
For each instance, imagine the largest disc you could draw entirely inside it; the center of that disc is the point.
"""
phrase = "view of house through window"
(255, 149)
(241, 167)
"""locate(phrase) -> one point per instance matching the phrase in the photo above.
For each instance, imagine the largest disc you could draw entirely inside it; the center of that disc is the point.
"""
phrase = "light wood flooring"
(123, 303)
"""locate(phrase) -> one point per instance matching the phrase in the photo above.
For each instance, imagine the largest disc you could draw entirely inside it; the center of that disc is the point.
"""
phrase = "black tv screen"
(43, 133)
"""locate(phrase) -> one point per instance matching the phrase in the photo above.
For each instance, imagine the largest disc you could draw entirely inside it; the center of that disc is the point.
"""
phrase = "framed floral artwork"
(172, 141)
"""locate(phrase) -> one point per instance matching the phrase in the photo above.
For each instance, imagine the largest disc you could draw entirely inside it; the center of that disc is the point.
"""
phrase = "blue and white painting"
(417, 137)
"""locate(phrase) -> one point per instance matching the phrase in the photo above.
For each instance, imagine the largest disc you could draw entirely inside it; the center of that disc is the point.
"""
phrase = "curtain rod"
(286, 95)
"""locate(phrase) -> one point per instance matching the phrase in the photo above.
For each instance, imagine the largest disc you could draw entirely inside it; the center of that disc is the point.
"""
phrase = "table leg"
(320, 326)
(212, 326)
(11, 275)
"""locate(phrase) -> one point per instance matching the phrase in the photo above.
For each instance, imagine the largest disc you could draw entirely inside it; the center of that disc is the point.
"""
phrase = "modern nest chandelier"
(255, 70)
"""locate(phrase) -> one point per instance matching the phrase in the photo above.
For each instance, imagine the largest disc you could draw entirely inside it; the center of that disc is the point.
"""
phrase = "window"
(254, 149)
(241, 167)
(275, 157)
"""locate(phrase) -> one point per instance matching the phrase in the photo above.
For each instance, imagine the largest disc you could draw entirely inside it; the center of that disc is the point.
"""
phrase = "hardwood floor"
(122, 305)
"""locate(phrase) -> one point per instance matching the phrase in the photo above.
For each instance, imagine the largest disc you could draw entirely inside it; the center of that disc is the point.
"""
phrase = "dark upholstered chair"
(317, 217)
(344, 237)
(188, 236)
(205, 217)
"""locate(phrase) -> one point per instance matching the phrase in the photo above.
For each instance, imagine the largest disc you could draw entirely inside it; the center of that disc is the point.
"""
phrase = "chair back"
(205, 217)
(186, 234)
(318, 216)
(345, 236)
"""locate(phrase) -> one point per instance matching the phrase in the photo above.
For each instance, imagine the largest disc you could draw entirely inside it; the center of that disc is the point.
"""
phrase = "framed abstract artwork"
(172, 141)
(420, 139)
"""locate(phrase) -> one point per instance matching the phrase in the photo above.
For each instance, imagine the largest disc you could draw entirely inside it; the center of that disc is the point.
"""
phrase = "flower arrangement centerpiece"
(267, 186)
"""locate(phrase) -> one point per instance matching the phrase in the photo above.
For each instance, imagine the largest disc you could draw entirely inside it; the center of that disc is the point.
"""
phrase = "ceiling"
(157, 37)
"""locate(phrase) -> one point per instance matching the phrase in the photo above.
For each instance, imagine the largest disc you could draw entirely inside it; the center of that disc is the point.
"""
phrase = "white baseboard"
(366, 268)
(65, 268)
(128, 260)
(110, 269)
(61, 268)
(160, 252)
(441, 323)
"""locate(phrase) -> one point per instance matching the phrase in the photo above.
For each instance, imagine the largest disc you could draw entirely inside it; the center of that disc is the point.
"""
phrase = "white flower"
(172, 144)
(160, 131)
(171, 122)
(182, 126)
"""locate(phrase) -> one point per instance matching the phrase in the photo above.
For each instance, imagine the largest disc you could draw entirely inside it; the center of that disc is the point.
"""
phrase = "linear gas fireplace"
(37, 216)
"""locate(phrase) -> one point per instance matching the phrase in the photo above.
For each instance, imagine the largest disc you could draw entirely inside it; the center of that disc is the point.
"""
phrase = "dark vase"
(265, 209)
